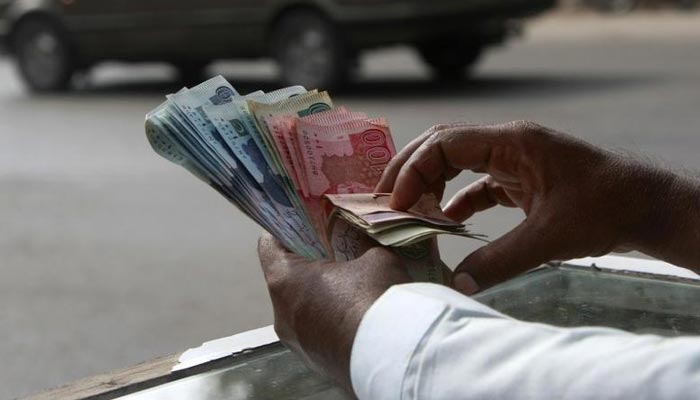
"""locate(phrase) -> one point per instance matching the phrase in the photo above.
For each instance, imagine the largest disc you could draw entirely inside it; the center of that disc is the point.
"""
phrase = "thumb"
(271, 251)
(525, 247)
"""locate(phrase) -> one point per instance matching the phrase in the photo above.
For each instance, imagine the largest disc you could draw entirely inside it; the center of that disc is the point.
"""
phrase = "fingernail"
(464, 283)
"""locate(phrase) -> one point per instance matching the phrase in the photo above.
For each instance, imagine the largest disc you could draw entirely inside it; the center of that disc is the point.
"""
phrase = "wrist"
(679, 238)
(668, 216)
(330, 343)
(646, 190)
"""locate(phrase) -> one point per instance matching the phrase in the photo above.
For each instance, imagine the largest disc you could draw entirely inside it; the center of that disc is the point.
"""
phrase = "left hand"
(318, 305)
(580, 200)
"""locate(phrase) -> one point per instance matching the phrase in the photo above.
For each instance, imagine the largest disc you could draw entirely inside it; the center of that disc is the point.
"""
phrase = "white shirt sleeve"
(425, 341)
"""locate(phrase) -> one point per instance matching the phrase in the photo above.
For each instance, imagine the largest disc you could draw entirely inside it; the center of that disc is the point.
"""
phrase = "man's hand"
(579, 200)
(318, 305)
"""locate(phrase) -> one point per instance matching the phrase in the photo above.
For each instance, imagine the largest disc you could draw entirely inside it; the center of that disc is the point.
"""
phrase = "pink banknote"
(345, 158)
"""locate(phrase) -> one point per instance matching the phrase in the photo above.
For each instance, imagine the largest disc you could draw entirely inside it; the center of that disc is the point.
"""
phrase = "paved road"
(111, 256)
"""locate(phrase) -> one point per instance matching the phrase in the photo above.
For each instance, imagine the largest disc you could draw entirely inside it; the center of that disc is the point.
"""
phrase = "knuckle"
(435, 137)
(529, 132)
(524, 126)
(441, 130)
(429, 138)
(438, 127)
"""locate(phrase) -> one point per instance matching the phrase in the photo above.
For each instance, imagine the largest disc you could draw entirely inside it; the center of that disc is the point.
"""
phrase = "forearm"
(507, 359)
(453, 347)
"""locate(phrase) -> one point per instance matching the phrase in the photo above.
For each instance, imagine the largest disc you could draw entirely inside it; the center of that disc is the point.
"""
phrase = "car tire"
(310, 51)
(44, 54)
(450, 59)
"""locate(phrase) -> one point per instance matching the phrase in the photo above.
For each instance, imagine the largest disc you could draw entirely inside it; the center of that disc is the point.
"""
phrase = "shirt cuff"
(392, 330)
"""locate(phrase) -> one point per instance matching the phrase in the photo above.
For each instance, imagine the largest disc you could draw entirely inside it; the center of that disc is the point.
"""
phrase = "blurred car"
(315, 42)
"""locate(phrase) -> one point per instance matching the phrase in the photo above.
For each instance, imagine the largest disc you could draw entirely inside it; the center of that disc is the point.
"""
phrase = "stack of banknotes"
(278, 155)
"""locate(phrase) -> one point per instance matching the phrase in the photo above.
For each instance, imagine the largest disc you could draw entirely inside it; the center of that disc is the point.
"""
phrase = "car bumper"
(417, 10)
(417, 20)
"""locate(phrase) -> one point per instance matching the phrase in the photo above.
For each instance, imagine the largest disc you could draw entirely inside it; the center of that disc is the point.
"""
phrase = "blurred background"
(110, 255)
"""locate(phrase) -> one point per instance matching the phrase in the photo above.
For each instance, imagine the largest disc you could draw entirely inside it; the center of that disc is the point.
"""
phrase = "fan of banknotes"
(299, 166)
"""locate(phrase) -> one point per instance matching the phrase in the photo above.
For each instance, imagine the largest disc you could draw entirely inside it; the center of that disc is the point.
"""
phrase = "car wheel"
(310, 51)
(44, 56)
(450, 59)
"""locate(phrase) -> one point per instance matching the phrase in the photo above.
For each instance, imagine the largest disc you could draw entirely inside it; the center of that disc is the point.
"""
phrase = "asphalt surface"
(110, 256)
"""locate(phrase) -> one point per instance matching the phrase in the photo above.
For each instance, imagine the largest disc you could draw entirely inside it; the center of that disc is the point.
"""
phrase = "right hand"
(579, 200)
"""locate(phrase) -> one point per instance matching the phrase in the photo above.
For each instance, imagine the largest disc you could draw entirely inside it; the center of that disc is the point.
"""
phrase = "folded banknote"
(276, 155)
(370, 213)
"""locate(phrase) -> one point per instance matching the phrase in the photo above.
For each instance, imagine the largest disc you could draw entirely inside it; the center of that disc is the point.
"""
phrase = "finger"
(466, 147)
(438, 189)
(478, 196)
(521, 249)
(271, 250)
(386, 183)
